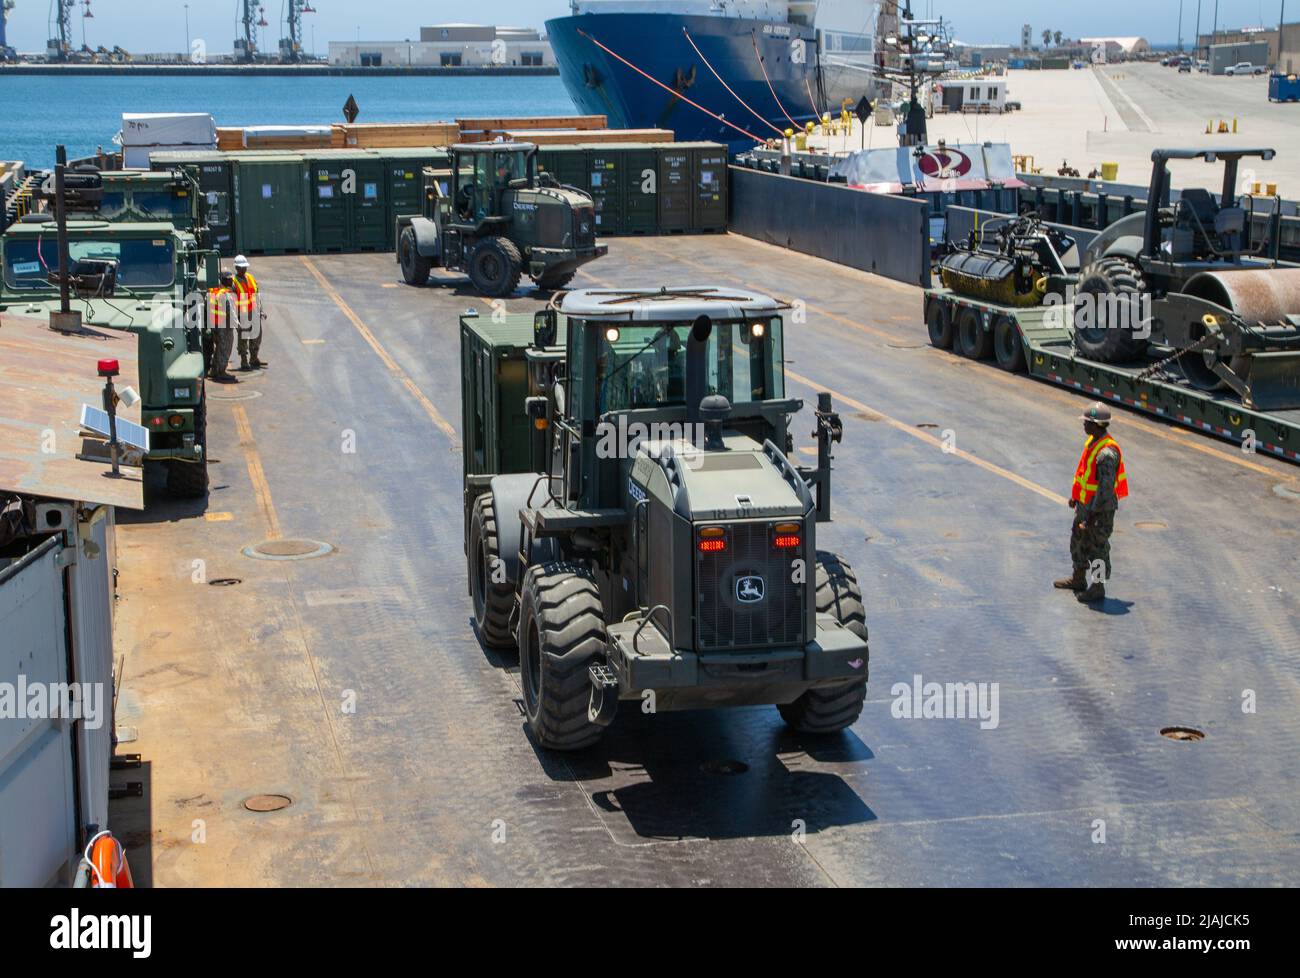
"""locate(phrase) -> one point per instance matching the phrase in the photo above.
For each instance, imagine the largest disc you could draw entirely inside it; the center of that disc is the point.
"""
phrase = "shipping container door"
(215, 185)
(369, 203)
(329, 212)
(675, 188)
(38, 805)
(273, 217)
(640, 190)
(709, 172)
(605, 178)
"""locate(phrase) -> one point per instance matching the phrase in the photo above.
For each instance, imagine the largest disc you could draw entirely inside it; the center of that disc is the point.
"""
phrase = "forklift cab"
(482, 173)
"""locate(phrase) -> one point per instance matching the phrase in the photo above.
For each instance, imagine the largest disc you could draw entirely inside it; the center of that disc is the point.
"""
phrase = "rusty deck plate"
(45, 377)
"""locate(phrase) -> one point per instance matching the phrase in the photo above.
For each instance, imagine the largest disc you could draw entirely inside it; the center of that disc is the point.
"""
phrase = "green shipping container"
(348, 192)
(405, 174)
(709, 201)
(606, 185)
(640, 189)
(568, 164)
(272, 215)
(676, 182)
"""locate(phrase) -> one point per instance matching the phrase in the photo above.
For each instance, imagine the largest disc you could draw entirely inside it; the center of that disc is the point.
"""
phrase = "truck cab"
(145, 278)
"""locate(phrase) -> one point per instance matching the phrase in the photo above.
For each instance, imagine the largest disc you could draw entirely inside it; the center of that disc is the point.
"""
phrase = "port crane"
(252, 16)
(59, 47)
(6, 52)
(291, 45)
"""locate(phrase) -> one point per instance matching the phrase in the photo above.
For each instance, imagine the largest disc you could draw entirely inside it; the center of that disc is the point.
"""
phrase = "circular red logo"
(944, 164)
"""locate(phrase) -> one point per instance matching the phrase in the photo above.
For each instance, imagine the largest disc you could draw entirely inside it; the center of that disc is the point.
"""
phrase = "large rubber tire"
(938, 323)
(493, 600)
(189, 480)
(833, 708)
(1100, 341)
(415, 266)
(553, 283)
(1008, 347)
(973, 341)
(561, 634)
(495, 266)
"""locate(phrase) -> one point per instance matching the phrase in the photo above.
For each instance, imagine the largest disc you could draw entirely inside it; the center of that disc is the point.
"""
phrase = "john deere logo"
(944, 164)
(750, 590)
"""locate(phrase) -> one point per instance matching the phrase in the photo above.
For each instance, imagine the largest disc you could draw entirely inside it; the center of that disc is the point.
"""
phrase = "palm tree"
(1047, 39)
(1058, 38)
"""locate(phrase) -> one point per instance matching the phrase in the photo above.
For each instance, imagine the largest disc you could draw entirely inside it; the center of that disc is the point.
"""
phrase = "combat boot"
(1093, 595)
(1075, 583)
(243, 364)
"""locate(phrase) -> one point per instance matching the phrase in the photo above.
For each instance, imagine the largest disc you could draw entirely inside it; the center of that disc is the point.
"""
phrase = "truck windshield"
(644, 366)
(142, 262)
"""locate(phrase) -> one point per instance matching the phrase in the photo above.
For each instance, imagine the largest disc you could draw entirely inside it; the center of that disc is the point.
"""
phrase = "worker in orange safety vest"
(1100, 482)
(251, 316)
(222, 309)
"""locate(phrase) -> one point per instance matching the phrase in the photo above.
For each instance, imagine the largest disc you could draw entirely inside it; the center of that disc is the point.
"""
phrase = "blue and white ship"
(814, 55)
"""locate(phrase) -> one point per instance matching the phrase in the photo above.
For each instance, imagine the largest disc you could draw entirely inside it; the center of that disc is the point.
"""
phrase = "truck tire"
(553, 283)
(415, 266)
(495, 266)
(189, 480)
(1101, 340)
(833, 708)
(972, 341)
(561, 634)
(493, 601)
(1008, 347)
(938, 323)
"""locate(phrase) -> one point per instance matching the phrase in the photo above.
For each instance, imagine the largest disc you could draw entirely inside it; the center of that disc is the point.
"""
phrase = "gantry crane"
(291, 46)
(59, 47)
(6, 52)
(250, 19)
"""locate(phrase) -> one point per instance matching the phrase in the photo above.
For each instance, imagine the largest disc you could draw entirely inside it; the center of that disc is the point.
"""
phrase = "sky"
(159, 25)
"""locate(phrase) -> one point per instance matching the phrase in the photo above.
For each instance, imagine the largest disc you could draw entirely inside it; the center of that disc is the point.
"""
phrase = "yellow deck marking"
(434, 415)
(930, 439)
(256, 474)
(311, 342)
(219, 517)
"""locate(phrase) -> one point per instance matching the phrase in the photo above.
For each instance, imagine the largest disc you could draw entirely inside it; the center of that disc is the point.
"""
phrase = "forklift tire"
(831, 709)
(938, 322)
(1008, 347)
(1101, 341)
(493, 601)
(415, 266)
(553, 283)
(561, 635)
(973, 341)
(495, 266)
(189, 480)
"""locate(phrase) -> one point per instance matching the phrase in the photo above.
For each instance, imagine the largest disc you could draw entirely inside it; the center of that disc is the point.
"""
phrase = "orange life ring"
(110, 870)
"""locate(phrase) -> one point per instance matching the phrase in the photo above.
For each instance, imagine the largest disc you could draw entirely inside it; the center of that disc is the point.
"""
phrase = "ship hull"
(601, 84)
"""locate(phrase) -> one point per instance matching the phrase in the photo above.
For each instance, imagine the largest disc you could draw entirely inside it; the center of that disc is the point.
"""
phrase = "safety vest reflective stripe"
(218, 299)
(245, 289)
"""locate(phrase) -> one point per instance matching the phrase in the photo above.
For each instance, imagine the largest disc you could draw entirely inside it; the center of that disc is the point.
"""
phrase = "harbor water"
(89, 110)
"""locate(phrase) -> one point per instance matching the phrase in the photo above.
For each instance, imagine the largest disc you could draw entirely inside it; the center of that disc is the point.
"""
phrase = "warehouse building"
(1283, 46)
(1118, 48)
(449, 46)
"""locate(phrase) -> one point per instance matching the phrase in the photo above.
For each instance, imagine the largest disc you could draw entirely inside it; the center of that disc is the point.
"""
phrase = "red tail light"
(786, 541)
(713, 540)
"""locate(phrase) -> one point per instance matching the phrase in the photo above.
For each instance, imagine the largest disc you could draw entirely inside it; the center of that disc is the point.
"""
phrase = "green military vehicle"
(140, 196)
(150, 279)
(633, 524)
(500, 220)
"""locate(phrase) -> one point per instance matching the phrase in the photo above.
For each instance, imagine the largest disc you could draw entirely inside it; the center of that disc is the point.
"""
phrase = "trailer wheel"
(561, 634)
(939, 324)
(1101, 337)
(495, 266)
(1008, 347)
(973, 342)
(415, 266)
(189, 480)
(833, 708)
(494, 598)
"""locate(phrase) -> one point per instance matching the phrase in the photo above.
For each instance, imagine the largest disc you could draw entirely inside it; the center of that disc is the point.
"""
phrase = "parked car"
(1184, 65)
(1244, 68)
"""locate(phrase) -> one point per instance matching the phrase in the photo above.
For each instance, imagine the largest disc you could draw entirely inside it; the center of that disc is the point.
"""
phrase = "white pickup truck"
(1245, 68)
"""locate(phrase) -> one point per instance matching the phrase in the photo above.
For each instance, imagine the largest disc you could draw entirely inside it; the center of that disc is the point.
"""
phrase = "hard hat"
(1097, 413)
(241, 261)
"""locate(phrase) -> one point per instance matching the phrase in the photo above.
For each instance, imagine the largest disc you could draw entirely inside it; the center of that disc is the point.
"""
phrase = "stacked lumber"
(236, 139)
(563, 137)
(472, 127)
(393, 135)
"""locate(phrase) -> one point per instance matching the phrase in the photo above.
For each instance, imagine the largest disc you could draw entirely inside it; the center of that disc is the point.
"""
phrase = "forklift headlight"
(612, 334)
(758, 330)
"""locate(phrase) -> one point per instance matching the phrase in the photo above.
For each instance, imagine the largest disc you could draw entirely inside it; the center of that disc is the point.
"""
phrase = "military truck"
(149, 279)
(499, 220)
(135, 196)
(634, 526)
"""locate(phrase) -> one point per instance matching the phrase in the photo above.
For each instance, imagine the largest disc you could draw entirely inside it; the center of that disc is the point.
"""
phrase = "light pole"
(1197, 45)
(1180, 26)
(187, 31)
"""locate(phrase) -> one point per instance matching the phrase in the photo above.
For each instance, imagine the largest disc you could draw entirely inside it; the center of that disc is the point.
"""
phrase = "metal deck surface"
(353, 683)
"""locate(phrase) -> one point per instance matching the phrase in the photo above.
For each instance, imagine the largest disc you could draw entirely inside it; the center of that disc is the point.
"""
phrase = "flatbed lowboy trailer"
(1038, 340)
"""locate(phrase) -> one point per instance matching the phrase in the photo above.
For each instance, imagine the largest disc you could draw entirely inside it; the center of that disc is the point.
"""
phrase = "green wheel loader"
(497, 220)
(634, 526)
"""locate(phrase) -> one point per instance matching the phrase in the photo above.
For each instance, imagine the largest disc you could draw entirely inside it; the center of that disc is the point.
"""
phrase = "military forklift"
(499, 219)
(634, 526)
(1199, 278)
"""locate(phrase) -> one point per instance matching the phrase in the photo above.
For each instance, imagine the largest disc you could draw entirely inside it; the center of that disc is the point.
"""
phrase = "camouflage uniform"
(1092, 543)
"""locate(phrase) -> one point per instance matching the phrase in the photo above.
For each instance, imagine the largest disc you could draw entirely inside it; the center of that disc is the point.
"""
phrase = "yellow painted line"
(312, 342)
(256, 474)
(930, 439)
(219, 517)
(388, 285)
(434, 414)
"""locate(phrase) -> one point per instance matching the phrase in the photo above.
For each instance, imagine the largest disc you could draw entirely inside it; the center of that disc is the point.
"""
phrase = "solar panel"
(128, 432)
